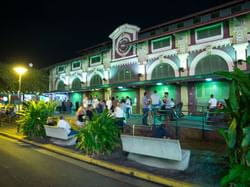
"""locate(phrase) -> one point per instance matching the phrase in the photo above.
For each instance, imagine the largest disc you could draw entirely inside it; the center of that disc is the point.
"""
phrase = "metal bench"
(156, 152)
(60, 136)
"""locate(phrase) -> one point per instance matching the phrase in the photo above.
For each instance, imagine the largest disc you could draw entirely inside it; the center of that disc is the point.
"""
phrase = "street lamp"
(20, 71)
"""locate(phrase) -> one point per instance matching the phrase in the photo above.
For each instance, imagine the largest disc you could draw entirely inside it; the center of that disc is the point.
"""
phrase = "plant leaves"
(233, 97)
(100, 135)
(248, 158)
(232, 134)
(233, 174)
(246, 137)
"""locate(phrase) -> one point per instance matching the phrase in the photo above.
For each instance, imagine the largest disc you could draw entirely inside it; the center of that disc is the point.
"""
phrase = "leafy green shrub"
(237, 136)
(99, 136)
(33, 116)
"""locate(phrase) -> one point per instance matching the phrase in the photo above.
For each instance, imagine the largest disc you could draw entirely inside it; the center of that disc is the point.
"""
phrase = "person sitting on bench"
(161, 131)
(62, 123)
(119, 115)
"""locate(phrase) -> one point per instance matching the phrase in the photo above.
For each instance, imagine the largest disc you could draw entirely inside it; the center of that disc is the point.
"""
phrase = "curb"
(117, 168)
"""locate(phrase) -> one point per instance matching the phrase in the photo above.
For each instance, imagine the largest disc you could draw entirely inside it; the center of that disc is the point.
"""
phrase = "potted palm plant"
(33, 116)
(99, 136)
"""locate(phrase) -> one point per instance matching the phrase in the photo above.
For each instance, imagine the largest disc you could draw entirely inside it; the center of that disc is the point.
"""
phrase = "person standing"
(128, 106)
(145, 108)
(77, 105)
(165, 98)
(109, 103)
(89, 112)
(95, 102)
(212, 103)
(85, 102)
(156, 101)
(63, 106)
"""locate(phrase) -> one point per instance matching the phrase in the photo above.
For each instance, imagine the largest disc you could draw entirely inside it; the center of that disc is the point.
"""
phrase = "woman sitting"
(80, 114)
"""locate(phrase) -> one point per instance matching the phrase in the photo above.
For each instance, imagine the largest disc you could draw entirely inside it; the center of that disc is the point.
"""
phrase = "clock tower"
(120, 41)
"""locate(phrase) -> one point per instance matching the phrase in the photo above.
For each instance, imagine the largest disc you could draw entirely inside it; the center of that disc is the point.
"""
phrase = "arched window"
(123, 75)
(96, 80)
(211, 64)
(61, 86)
(162, 71)
(76, 84)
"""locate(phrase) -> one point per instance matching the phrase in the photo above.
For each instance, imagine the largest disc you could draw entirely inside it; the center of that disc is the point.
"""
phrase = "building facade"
(179, 57)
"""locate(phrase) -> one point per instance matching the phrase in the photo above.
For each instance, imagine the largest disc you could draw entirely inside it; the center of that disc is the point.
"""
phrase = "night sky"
(48, 32)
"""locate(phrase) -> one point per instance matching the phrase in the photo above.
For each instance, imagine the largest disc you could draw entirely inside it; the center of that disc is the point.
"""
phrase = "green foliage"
(238, 175)
(8, 78)
(51, 107)
(99, 136)
(33, 80)
(237, 136)
(33, 116)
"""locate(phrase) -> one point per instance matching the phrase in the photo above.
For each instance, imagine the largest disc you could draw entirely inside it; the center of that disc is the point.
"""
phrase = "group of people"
(153, 103)
(121, 109)
(89, 106)
(66, 106)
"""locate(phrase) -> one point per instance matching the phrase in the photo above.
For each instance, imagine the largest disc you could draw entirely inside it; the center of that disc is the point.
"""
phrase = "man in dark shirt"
(160, 132)
(89, 112)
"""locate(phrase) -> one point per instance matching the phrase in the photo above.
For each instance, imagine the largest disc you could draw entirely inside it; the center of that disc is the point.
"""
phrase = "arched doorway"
(61, 86)
(96, 80)
(162, 70)
(211, 64)
(76, 84)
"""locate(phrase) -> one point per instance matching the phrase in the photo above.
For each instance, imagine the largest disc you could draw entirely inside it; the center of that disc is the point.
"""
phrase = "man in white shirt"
(128, 106)
(119, 115)
(62, 123)
(212, 102)
(95, 102)
(85, 102)
(109, 103)
(155, 98)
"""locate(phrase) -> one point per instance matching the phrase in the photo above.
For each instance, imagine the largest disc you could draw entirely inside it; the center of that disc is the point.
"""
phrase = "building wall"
(183, 54)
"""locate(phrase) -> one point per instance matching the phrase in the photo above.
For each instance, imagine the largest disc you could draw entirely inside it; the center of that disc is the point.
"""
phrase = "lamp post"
(20, 71)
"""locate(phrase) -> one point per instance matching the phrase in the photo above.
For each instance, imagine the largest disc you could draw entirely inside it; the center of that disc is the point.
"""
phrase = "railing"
(196, 117)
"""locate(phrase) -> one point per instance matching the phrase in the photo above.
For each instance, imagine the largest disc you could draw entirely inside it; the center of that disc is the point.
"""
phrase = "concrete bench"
(59, 136)
(156, 152)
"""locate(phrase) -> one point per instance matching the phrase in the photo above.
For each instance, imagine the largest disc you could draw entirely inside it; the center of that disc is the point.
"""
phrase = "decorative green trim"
(95, 59)
(60, 69)
(209, 30)
(209, 27)
(76, 64)
(167, 39)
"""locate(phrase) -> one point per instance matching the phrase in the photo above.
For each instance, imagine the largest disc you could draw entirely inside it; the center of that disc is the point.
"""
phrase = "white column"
(240, 50)
(183, 60)
(84, 77)
(106, 74)
(183, 63)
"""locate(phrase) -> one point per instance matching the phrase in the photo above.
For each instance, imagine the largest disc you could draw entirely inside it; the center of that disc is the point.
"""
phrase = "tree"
(34, 80)
(7, 78)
